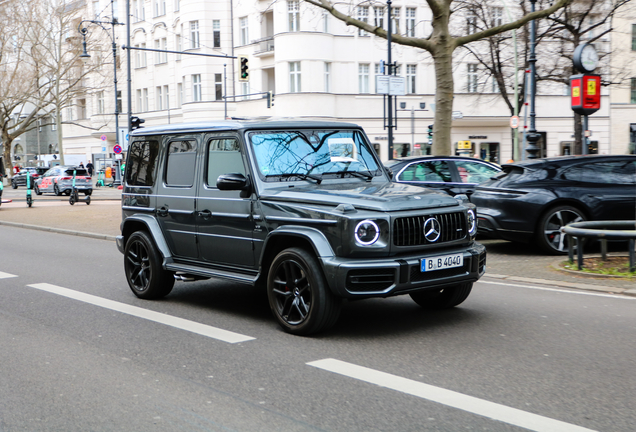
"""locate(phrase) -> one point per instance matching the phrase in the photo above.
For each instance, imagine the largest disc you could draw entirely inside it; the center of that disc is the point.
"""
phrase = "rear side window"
(430, 171)
(182, 156)
(224, 157)
(142, 159)
(474, 172)
(617, 172)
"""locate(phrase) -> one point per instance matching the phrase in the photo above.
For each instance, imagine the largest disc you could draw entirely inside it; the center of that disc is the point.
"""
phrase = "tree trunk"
(443, 61)
(7, 141)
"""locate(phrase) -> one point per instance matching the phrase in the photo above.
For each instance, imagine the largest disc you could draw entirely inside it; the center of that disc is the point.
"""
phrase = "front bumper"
(385, 277)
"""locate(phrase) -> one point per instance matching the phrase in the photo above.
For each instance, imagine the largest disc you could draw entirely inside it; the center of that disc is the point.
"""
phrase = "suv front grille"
(409, 231)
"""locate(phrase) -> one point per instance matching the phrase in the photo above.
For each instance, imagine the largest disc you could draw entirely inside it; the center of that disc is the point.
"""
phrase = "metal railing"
(603, 231)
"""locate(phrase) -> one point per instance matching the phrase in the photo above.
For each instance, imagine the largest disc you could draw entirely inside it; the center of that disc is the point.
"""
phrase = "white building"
(318, 68)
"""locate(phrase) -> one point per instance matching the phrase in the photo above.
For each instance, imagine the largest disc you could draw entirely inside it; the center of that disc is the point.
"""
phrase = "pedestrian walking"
(90, 167)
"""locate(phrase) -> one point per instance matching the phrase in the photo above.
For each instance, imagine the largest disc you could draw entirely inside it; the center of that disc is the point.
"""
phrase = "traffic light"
(135, 123)
(270, 99)
(244, 68)
(430, 131)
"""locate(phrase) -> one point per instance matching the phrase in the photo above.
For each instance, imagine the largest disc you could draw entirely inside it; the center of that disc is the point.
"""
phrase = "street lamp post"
(533, 136)
(83, 30)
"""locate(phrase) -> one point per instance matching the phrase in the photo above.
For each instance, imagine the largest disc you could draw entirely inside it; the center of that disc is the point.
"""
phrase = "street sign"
(391, 85)
(103, 137)
(117, 149)
(464, 145)
(458, 115)
(514, 122)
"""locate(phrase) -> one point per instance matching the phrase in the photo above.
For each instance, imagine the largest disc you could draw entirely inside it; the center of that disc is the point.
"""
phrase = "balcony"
(264, 47)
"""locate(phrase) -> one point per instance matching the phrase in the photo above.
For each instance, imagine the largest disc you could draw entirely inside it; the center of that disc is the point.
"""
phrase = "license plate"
(442, 262)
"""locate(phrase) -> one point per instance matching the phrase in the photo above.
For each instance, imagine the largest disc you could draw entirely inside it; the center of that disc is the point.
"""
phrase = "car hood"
(370, 196)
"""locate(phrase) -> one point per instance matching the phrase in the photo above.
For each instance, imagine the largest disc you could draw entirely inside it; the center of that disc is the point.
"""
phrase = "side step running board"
(188, 273)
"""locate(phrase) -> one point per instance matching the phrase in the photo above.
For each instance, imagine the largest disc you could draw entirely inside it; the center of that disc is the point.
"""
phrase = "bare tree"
(41, 72)
(441, 44)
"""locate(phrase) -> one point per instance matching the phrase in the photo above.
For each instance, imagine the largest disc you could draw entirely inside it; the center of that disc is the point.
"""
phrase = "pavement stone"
(101, 219)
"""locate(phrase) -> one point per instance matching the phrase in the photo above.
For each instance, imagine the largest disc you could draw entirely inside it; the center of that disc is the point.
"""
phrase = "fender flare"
(320, 244)
(153, 229)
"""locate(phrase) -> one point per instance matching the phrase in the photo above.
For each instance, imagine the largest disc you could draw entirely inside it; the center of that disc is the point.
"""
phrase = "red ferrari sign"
(586, 93)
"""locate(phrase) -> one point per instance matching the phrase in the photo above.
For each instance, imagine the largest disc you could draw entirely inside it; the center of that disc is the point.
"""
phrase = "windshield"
(312, 152)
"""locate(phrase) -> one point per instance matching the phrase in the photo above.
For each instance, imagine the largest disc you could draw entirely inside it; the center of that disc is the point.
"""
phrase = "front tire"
(37, 190)
(142, 263)
(549, 236)
(56, 190)
(298, 294)
(444, 298)
(14, 185)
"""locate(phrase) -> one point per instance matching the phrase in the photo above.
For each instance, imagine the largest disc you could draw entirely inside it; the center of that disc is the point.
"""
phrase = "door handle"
(205, 214)
(162, 211)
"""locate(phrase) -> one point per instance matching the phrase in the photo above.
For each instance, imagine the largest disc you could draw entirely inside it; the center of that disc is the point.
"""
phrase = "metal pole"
(390, 98)
(129, 77)
(533, 137)
(117, 180)
(586, 141)
(225, 89)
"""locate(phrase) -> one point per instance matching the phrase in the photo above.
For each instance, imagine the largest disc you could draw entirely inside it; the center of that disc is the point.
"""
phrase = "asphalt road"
(80, 352)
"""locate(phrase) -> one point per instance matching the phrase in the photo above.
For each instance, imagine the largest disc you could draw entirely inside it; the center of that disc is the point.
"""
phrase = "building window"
(395, 20)
(119, 101)
(633, 37)
(216, 33)
(410, 22)
(101, 104)
(135, 10)
(471, 22)
(325, 21)
(497, 16)
(143, 62)
(145, 99)
(81, 109)
(54, 123)
(196, 88)
(139, 101)
(159, 7)
(218, 86)
(363, 78)
(495, 86)
(327, 77)
(411, 75)
(158, 103)
(294, 77)
(194, 34)
(294, 18)
(633, 92)
(472, 78)
(177, 5)
(363, 15)
(179, 95)
(178, 46)
(244, 31)
(166, 97)
(378, 16)
(161, 57)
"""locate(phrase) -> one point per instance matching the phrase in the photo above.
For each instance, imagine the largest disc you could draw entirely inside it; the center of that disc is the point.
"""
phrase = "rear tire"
(142, 264)
(444, 298)
(37, 190)
(56, 190)
(14, 185)
(298, 294)
(549, 236)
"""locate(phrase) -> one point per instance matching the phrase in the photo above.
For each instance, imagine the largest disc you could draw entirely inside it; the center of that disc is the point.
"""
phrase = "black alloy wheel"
(549, 236)
(142, 264)
(299, 296)
(444, 298)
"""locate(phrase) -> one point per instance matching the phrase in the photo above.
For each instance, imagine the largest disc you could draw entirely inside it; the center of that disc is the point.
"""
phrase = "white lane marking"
(568, 291)
(6, 275)
(451, 398)
(180, 323)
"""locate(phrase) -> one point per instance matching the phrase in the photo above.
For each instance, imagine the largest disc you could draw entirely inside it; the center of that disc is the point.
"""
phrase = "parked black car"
(453, 174)
(19, 179)
(303, 210)
(530, 201)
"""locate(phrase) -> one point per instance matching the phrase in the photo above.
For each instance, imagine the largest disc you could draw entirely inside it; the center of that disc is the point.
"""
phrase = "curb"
(59, 231)
(563, 284)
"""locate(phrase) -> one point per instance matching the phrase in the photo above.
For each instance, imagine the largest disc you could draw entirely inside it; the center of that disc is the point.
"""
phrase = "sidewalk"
(506, 262)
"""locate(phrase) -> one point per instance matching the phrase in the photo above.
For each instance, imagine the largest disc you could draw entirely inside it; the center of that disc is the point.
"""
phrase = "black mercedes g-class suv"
(302, 209)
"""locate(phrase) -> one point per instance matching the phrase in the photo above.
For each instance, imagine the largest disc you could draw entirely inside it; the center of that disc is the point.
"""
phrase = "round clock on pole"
(585, 58)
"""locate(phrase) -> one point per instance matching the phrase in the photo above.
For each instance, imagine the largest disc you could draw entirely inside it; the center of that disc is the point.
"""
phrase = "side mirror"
(233, 181)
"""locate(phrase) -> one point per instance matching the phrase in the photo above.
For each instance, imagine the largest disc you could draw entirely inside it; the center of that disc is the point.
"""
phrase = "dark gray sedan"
(59, 180)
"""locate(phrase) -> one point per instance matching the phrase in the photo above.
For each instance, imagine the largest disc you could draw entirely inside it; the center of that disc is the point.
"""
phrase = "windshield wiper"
(314, 177)
(361, 174)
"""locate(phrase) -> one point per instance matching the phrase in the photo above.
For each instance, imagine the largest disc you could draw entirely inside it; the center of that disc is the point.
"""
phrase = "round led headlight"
(367, 232)
(472, 222)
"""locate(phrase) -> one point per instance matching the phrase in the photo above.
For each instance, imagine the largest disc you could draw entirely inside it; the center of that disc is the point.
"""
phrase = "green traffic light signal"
(244, 68)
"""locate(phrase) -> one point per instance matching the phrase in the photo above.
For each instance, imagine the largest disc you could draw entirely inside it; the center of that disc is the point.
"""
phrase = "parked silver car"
(59, 180)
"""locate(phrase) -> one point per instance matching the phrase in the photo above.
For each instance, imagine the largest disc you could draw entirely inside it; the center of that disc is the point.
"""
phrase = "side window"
(224, 157)
(431, 171)
(182, 156)
(142, 159)
(619, 172)
(474, 172)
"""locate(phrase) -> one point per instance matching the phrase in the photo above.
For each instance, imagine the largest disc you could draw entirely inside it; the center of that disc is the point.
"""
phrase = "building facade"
(318, 68)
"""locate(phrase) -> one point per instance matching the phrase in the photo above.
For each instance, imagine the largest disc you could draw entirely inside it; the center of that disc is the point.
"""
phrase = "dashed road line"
(158, 317)
(495, 411)
(6, 275)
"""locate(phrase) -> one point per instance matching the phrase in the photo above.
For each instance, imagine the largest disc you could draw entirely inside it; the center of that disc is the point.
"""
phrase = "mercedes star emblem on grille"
(432, 229)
